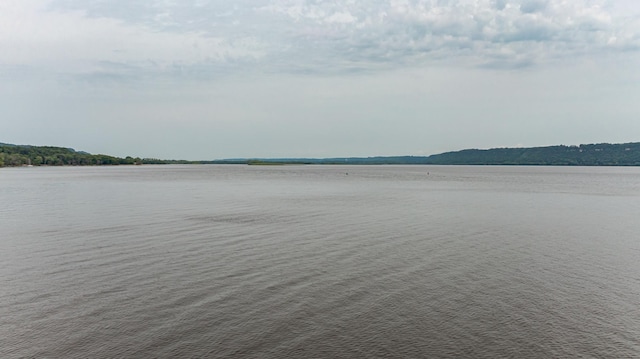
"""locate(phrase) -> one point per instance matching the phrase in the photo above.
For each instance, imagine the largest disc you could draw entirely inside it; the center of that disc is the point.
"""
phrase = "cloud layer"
(209, 38)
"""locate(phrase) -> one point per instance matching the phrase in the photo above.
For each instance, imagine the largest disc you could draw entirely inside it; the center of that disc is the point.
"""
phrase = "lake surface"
(319, 262)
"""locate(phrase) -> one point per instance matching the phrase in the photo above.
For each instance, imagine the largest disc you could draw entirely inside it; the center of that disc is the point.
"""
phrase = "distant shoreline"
(603, 154)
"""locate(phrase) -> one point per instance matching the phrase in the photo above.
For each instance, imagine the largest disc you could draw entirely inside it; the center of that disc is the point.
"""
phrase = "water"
(319, 261)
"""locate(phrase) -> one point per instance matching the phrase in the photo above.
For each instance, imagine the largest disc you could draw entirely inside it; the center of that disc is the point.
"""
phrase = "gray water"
(319, 262)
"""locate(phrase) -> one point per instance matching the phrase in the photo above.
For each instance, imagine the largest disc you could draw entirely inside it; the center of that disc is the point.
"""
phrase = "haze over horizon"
(301, 78)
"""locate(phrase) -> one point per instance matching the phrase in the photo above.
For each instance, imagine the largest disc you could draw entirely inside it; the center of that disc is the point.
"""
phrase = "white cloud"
(205, 37)
(417, 32)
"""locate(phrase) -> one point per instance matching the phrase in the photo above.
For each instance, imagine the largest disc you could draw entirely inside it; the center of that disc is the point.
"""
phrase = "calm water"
(319, 261)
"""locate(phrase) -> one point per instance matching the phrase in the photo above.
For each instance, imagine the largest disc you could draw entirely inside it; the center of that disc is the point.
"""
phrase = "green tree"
(15, 159)
(36, 160)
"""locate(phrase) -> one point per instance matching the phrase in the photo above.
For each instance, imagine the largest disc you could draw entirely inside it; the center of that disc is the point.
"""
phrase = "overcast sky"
(198, 79)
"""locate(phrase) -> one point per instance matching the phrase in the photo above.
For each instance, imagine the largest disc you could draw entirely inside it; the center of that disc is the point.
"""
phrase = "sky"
(198, 79)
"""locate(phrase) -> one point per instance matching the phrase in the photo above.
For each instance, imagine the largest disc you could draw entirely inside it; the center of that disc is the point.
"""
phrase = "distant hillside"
(603, 154)
(24, 155)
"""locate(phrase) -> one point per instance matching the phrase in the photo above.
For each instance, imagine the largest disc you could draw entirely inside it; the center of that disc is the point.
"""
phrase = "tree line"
(603, 154)
(17, 155)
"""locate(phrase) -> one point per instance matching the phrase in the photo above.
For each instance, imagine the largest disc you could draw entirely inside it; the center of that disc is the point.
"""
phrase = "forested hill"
(24, 155)
(603, 154)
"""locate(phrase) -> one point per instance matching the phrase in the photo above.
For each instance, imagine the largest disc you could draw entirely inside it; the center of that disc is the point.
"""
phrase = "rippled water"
(319, 261)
